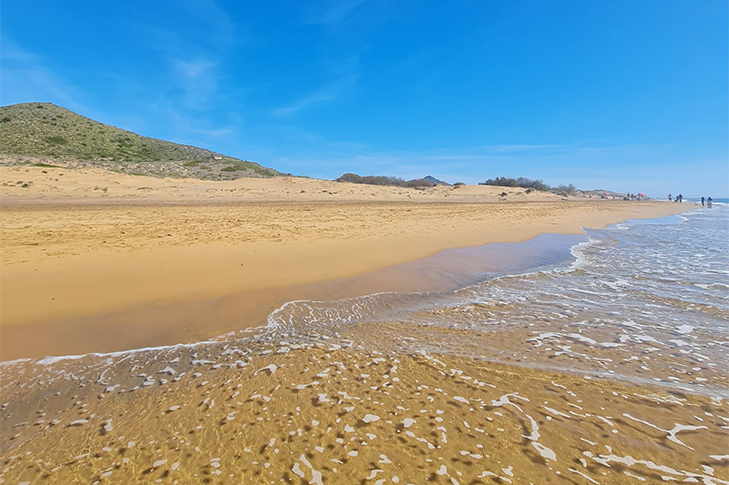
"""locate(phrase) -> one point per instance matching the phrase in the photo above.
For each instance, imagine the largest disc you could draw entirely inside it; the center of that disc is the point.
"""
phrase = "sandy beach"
(89, 270)
(186, 364)
(364, 242)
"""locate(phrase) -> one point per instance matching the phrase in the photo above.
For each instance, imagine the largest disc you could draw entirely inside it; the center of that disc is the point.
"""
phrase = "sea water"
(642, 301)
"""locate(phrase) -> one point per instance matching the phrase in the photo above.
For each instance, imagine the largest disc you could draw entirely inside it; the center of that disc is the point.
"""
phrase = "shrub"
(566, 189)
(376, 180)
(383, 180)
(56, 140)
(418, 183)
(530, 185)
(262, 171)
(517, 182)
(350, 177)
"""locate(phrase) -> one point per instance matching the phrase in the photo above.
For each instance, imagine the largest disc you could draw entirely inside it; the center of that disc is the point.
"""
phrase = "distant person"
(679, 198)
(708, 202)
(670, 198)
(702, 202)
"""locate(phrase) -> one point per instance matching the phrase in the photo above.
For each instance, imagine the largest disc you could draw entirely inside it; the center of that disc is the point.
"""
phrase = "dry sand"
(85, 270)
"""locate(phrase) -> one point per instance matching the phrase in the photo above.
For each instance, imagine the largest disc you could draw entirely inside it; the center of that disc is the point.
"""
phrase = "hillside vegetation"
(383, 180)
(44, 130)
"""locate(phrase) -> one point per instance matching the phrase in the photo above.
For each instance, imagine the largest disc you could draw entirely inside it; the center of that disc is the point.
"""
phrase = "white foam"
(671, 432)
(271, 368)
(586, 477)
(556, 413)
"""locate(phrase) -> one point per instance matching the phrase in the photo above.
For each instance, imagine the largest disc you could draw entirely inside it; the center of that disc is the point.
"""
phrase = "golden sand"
(154, 261)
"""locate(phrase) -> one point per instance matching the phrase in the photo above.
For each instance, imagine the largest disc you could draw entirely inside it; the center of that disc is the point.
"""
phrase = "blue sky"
(625, 95)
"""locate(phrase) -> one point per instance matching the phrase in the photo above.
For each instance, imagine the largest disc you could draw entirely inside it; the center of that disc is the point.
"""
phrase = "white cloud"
(327, 93)
(196, 58)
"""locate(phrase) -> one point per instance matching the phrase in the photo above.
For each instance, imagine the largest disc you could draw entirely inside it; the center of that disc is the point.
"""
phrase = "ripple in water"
(644, 301)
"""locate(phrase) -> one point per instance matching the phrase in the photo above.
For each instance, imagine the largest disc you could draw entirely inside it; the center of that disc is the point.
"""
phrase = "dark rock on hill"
(434, 180)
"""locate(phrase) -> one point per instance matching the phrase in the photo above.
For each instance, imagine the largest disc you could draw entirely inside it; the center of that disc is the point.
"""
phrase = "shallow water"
(644, 301)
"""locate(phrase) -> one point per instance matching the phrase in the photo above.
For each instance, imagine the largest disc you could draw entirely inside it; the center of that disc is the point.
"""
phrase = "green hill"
(48, 131)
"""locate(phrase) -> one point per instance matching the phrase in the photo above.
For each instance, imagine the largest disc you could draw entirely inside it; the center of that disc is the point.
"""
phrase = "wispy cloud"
(26, 77)
(220, 30)
(327, 93)
(523, 148)
(214, 32)
(215, 133)
(189, 130)
(198, 80)
(195, 58)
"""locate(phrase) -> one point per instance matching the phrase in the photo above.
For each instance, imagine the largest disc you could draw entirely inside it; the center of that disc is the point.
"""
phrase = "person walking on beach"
(708, 202)
(702, 202)
(679, 198)
(670, 198)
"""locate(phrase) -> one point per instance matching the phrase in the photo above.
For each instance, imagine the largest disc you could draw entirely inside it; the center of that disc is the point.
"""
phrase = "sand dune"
(42, 186)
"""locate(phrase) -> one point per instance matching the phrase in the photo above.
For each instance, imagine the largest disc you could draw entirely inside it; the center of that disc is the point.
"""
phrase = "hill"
(434, 180)
(47, 131)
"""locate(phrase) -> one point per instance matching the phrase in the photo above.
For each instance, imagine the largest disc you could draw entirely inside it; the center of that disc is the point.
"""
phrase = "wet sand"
(187, 322)
(237, 412)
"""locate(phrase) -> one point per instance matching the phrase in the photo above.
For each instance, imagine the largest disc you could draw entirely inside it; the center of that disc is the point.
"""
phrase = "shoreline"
(273, 271)
(446, 271)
